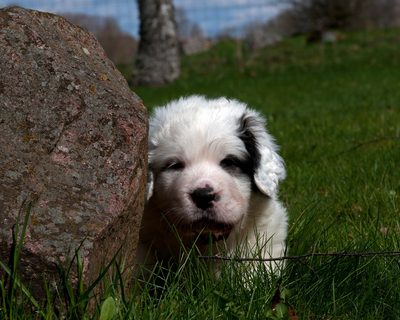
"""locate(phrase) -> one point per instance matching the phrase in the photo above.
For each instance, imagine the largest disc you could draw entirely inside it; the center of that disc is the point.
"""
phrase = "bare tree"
(158, 60)
(319, 15)
(120, 47)
(185, 27)
(183, 24)
(379, 13)
(316, 16)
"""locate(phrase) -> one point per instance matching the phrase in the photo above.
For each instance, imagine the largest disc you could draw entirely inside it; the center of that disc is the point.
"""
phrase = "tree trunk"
(157, 61)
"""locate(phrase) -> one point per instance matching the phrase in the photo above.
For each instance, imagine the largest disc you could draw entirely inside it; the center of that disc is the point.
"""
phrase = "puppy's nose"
(204, 197)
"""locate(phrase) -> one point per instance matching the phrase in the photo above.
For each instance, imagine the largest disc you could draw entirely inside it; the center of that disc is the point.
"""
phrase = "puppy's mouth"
(206, 231)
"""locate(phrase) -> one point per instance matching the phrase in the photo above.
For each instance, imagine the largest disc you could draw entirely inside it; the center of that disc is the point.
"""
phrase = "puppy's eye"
(230, 162)
(173, 166)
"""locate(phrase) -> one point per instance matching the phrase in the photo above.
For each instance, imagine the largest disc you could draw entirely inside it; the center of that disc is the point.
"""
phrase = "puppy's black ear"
(268, 166)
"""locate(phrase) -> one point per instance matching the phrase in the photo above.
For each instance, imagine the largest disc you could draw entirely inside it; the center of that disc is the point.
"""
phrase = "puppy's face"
(205, 184)
(203, 160)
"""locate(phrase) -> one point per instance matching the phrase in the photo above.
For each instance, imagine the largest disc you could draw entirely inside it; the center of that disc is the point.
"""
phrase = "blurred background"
(200, 24)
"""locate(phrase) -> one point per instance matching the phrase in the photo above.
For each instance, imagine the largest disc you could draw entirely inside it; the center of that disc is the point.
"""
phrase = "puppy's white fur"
(213, 170)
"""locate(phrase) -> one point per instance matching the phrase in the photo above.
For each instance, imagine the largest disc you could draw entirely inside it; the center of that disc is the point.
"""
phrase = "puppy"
(213, 181)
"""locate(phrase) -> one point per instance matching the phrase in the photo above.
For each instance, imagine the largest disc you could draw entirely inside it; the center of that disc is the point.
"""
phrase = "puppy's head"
(206, 157)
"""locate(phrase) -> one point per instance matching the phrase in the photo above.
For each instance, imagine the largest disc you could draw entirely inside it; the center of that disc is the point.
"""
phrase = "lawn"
(335, 111)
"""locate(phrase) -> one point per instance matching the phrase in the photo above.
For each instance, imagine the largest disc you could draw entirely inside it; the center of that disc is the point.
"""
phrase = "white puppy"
(213, 179)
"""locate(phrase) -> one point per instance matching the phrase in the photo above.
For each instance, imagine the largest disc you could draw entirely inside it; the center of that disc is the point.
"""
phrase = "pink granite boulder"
(73, 140)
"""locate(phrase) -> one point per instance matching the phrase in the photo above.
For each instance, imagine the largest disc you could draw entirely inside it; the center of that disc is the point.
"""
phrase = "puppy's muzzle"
(204, 198)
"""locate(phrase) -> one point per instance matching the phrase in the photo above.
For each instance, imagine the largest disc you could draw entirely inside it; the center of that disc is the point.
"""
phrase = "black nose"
(204, 197)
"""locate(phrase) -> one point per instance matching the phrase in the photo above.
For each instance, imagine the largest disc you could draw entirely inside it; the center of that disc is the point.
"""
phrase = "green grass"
(335, 111)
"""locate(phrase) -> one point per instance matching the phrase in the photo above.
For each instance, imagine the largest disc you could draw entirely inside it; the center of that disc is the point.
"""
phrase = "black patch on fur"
(234, 165)
(245, 132)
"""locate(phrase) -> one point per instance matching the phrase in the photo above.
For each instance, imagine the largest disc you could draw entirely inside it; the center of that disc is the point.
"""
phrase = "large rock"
(72, 140)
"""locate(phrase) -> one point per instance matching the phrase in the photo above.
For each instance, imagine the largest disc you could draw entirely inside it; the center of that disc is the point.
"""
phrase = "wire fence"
(307, 255)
